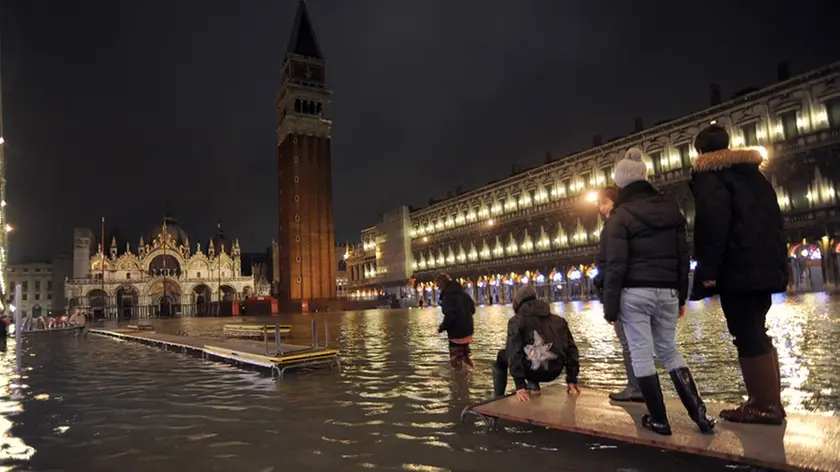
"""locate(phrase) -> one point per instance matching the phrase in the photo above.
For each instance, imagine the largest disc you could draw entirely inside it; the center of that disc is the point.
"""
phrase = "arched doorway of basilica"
(165, 295)
(228, 293)
(201, 298)
(127, 300)
(97, 299)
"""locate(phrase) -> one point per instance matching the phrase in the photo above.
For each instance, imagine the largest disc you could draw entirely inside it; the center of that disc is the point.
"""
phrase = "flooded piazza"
(100, 404)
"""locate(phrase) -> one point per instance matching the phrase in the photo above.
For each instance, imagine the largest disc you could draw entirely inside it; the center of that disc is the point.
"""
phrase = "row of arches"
(163, 299)
(308, 107)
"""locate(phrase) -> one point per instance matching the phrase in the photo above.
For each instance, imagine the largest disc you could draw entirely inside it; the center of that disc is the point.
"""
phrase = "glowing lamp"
(592, 197)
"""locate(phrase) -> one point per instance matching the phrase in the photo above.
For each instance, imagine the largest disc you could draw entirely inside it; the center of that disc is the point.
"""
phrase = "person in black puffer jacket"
(739, 244)
(646, 284)
(458, 310)
(630, 393)
(539, 346)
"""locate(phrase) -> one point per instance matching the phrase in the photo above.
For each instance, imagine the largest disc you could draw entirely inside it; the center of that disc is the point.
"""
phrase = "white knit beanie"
(630, 169)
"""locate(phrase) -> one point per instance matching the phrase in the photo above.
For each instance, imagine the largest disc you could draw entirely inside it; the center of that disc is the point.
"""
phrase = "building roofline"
(635, 137)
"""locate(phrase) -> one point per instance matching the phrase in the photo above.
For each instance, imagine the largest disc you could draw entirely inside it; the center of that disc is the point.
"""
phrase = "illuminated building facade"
(306, 233)
(160, 276)
(5, 228)
(36, 281)
(540, 226)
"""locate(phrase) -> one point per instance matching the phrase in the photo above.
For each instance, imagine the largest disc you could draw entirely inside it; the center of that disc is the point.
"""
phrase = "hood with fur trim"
(726, 158)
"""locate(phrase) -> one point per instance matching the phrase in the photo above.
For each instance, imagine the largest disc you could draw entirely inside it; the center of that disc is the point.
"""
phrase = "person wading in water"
(458, 310)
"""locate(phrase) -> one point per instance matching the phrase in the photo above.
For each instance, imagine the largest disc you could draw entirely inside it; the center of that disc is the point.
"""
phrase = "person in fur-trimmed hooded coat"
(739, 245)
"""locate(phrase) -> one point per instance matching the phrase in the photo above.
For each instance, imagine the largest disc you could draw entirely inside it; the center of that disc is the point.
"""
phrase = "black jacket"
(739, 238)
(645, 245)
(458, 309)
(535, 316)
(601, 263)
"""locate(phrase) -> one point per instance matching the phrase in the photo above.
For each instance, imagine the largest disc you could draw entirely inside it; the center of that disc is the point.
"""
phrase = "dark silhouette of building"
(306, 227)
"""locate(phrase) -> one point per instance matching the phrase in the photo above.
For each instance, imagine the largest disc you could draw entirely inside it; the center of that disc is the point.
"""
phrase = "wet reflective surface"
(100, 404)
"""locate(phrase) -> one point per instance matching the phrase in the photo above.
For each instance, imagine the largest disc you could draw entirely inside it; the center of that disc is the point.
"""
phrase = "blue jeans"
(649, 317)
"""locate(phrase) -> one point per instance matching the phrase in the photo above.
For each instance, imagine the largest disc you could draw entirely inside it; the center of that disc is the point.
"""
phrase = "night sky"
(111, 108)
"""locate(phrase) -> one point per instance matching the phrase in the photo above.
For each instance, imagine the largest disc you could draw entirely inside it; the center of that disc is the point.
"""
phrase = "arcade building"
(541, 226)
(160, 276)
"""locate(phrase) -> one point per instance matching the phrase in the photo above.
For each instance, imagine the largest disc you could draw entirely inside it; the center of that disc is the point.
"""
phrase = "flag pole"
(102, 266)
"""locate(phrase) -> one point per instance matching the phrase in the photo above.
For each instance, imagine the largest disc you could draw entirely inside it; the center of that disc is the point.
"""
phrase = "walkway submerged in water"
(805, 442)
(274, 356)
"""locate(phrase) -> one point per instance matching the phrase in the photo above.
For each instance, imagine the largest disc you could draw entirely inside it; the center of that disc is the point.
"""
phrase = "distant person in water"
(631, 393)
(78, 320)
(539, 347)
(458, 310)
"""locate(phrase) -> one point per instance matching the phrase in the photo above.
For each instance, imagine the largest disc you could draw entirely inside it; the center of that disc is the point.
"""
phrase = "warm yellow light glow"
(491, 222)
(346, 255)
(2, 140)
(2, 203)
(9, 228)
(592, 197)
(761, 150)
(713, 122)
(425, 239)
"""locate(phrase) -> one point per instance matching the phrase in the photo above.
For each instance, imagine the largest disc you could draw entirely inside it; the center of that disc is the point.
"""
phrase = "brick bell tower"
(306, 243)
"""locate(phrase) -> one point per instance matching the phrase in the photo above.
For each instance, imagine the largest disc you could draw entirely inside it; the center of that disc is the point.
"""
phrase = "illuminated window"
(750, 134)
(833, 111)
(684, 150)
(656, 158)
(790, 129)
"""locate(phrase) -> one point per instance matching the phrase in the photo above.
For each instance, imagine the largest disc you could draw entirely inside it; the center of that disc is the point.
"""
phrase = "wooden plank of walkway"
(195, 342)
(805, 442)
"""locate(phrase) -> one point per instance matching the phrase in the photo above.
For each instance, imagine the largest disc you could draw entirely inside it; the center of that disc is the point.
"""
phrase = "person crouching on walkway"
(645, 287)
(631, 393)
(539, 346)
(740, 248)
(458, 310)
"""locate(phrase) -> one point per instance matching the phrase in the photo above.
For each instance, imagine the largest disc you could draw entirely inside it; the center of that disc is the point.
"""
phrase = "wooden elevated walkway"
(805, 442)
(240, 330)
(275, 356)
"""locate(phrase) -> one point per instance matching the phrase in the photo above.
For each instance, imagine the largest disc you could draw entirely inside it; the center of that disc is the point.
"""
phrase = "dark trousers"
(459, 354)
(746, 316)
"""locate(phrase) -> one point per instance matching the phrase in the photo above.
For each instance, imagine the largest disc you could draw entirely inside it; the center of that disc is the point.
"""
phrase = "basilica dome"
(179, 236)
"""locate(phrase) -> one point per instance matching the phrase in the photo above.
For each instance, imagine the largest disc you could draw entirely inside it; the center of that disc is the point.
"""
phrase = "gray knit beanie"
(523, 294)
(630, 169)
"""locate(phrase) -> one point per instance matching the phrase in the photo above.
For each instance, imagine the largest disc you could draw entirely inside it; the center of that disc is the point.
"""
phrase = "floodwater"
(95, 403)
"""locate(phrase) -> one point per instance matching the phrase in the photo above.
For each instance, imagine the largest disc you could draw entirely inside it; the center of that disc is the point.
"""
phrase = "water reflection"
(100, 404)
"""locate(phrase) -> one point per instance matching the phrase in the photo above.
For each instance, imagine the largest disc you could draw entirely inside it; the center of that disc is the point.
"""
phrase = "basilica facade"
(161, 276)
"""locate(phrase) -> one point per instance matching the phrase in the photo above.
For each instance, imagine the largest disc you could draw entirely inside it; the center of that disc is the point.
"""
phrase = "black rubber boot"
(656, 419)
(691, 400)
(627, 395)
(499, 382)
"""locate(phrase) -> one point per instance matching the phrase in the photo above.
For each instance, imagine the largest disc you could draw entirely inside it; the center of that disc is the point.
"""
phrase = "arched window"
(165, 264)
(297, 105)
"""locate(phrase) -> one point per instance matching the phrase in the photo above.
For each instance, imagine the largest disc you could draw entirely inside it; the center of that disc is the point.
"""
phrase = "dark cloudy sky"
(113, 107)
